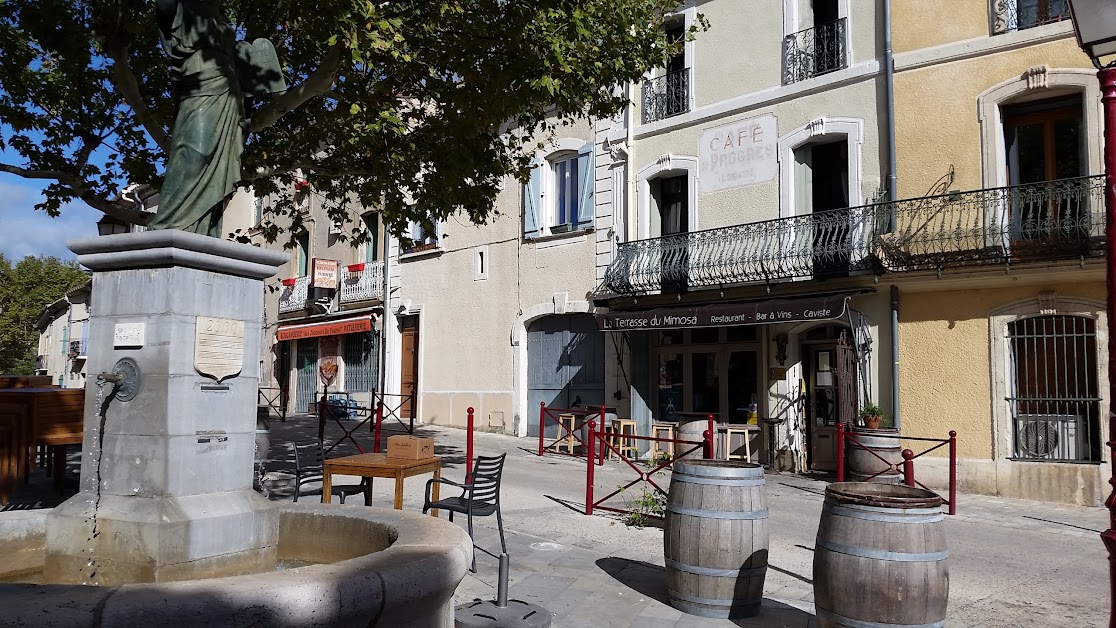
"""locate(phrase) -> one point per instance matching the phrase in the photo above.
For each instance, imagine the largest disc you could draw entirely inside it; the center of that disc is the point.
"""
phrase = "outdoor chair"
(309, 468)
(480, 497)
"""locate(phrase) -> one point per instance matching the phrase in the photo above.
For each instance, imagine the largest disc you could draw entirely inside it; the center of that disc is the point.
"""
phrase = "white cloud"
(25, 231)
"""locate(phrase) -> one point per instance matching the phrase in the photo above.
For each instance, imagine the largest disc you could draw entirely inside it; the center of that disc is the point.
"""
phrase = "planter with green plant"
(871, 415)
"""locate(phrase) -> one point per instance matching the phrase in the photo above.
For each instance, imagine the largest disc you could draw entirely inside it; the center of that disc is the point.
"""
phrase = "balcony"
(362, 282)
(1039, 222)
(814, 52)
(1015, 15)
(295, 295)
(666, 96)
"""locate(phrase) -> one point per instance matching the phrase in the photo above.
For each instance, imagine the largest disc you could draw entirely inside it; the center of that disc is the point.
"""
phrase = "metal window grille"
(360, 354)
(1015, 15)
(1054, 398)
(814, 51)
(666, 96)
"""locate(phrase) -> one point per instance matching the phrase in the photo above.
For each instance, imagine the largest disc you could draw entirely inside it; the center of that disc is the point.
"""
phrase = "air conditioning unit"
(1052, 436)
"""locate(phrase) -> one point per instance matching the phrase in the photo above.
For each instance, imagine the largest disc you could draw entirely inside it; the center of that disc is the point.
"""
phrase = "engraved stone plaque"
(218, 347)
(127, 335)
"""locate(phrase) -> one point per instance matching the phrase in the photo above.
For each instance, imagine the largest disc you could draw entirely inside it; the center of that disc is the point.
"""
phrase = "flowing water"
(89, 572)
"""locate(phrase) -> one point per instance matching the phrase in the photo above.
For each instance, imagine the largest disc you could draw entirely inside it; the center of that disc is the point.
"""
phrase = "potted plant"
(871, 415)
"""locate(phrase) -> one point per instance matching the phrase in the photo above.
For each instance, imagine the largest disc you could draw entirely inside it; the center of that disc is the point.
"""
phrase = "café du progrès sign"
(738, 154)
(774, 311)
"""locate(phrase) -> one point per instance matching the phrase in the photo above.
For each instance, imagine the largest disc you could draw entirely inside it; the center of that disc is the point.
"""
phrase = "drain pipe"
(895, 357)
(889, 88)
(892, 196)
(631, 231)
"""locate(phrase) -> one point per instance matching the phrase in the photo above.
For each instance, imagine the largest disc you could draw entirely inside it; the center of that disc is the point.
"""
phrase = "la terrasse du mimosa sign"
(774, 311)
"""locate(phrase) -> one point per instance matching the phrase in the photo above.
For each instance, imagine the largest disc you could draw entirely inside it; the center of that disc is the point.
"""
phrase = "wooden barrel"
(692, 427)
(715, 542)
(880, 559)
(863, 464)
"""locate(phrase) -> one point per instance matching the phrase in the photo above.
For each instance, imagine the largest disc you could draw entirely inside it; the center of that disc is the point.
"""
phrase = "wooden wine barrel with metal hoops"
(716, 538)
(865, 464)
(880, 559)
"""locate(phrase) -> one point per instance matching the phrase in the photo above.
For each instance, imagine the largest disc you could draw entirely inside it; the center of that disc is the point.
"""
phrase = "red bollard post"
(542, 425)
(601, 449)
(378, 427)
(908, 467)
(840, 451)
(952, 472)
(709, 439)
(707, 445)
(589, 470)
(469, 448)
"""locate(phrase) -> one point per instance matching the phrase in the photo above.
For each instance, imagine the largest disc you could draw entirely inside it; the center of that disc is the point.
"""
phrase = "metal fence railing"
(1015, 15)
(814, 51)
(666, 96)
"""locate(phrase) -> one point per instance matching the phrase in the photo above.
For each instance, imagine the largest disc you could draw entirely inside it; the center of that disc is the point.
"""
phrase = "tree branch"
(318, 83)
(126, 83)
(126, 212)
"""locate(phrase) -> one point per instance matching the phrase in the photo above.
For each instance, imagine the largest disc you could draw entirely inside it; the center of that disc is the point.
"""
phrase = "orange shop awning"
(326, 328)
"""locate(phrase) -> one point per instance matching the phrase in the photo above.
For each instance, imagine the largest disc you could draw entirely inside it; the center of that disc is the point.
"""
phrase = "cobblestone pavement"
(1012, 562)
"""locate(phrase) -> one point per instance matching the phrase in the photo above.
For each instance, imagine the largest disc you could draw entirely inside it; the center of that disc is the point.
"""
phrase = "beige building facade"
(1003, 329)
(63, 335)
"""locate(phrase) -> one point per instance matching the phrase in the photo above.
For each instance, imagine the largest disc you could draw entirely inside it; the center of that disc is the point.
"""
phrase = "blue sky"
(25, 231)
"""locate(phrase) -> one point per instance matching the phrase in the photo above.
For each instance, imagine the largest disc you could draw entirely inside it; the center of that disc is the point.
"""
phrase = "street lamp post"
(1094, 22)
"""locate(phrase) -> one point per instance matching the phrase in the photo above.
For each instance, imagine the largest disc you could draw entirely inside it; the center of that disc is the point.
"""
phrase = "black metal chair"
(479, 498)
(310, 468)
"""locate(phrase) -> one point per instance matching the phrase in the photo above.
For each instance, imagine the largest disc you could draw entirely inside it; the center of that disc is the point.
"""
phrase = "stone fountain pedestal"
(166, 480)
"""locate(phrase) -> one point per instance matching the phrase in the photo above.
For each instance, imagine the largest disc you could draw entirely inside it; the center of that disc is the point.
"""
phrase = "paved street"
(1012, 562)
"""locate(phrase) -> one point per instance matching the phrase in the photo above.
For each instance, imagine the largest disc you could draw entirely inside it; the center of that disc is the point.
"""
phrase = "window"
(361, 352)
(1014, 15)
(670, 207)
(1053, 394)
(422, 239)
(481, 262)
(558, 197)
(302, 243)
(372, 246)
(259, 203)
(1045, 142)
(819, 46)
(821, 182)
(669, 95)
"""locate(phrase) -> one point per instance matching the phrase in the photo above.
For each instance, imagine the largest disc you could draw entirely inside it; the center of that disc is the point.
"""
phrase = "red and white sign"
(324, 272)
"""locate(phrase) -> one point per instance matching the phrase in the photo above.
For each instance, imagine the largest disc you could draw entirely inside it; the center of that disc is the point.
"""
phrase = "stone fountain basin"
(382, 568)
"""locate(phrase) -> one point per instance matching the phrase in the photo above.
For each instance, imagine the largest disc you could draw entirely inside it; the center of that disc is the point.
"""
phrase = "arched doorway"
(565, 365)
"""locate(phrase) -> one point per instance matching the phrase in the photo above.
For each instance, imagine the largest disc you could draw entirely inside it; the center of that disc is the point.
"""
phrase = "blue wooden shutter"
(532, 202)
(585, 183)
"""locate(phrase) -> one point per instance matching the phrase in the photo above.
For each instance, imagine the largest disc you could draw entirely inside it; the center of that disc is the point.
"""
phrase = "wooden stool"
(622, 428)
(662, 430)
(746, 433)
(566, 423)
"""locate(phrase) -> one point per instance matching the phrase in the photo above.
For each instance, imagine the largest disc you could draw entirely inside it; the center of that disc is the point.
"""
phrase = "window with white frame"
(423, 238)
(558, 197)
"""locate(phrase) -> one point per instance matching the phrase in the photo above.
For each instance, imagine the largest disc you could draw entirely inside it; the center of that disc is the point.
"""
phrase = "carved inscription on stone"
(218, 347)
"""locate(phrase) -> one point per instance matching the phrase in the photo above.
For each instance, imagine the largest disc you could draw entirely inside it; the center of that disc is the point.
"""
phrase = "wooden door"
(408, 381)
(823, 408)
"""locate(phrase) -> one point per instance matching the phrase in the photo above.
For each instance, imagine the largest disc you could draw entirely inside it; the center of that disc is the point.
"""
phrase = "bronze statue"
(211, 74)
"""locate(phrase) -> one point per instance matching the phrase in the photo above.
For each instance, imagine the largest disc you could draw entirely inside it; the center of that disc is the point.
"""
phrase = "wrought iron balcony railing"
(827, 243)
(1037, 222)
(814, 51)
(1016, 15)
(666, 96)
(296, 296)
(362, 282)
(1062, 219)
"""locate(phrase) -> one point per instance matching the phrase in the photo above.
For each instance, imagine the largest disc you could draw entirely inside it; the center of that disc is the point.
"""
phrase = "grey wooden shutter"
(585, 181)
(532, 202)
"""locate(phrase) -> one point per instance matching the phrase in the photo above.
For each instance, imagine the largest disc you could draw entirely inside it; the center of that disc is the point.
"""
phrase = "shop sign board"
(721, 315)
(742, 153)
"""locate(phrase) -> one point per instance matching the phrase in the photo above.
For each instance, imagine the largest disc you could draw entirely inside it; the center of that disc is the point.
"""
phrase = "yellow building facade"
(1002, 325)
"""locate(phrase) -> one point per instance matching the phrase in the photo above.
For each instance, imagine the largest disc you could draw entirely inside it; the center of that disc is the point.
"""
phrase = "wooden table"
(380, 466)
